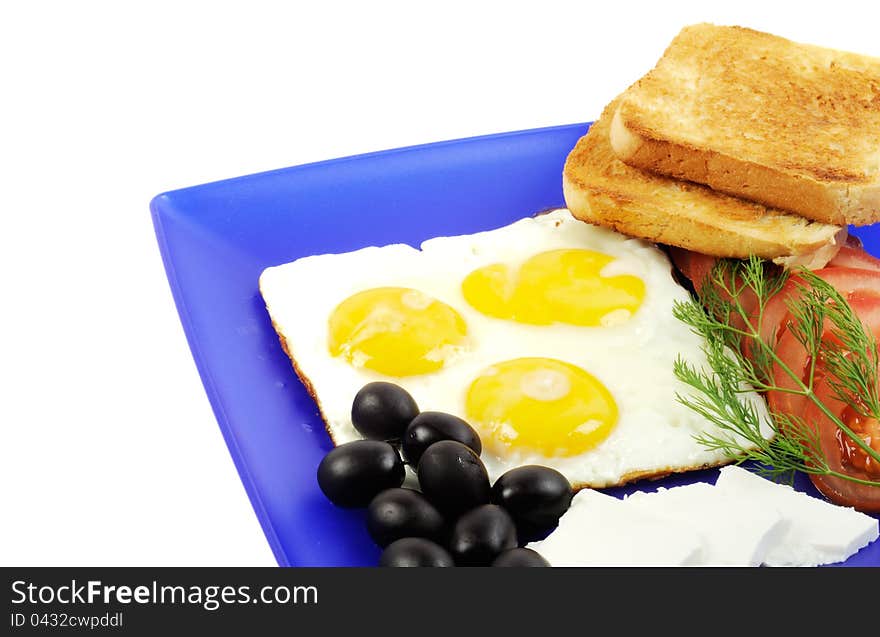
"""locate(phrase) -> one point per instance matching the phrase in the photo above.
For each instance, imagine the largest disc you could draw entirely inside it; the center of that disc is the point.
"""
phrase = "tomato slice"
(853, 241)
(776, 314)
(794, 357)
(695, 266)
(852, 283)
(842, 454)
(856, 258)
(856, 276)
(867, 308)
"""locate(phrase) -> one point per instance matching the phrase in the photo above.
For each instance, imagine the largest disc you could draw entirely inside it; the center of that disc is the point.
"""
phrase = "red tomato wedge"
(850, 282)
(776, 312)
(856, 276)
(697, 267)
(794, 357)
(861, 289)
(854, 257)
(843, 454)
(853, 241)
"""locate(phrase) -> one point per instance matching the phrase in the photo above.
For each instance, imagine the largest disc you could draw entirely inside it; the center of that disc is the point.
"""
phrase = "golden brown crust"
(601, 189)
(307, 383)
(653, 474)
(789, 125)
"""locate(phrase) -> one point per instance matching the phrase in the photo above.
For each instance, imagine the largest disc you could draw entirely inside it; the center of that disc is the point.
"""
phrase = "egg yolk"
(395, 331)
(559, 286)
(540, 404)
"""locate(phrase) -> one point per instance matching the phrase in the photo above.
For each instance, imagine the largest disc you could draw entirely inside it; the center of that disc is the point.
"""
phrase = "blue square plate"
(216, 238)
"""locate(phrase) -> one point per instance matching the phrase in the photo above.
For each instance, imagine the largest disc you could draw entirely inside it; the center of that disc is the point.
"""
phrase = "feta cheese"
(733, 530)
(818, 532)
(601, 530)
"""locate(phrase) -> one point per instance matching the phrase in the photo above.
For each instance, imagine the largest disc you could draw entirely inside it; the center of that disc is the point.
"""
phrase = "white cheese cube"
(818, 532)
(734, 532)
(601, 530)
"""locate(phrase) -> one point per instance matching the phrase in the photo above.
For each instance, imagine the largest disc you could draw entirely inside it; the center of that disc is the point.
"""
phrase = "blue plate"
(215, 239)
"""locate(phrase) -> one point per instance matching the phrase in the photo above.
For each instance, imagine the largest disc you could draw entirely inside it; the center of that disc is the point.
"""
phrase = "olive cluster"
(456, 517)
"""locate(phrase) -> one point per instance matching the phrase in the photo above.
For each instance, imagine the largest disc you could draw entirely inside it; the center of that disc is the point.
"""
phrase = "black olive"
(481, 534)
(353, 473)
(432, 426)
(453, 477)
(520, 557)
(415, 551)
(535, 497)
(399, 513)
(382, 411)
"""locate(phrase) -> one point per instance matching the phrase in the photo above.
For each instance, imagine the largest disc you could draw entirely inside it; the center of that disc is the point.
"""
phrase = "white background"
(110, 454)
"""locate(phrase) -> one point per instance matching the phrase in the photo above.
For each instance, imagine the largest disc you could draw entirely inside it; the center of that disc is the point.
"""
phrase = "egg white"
(634, 359)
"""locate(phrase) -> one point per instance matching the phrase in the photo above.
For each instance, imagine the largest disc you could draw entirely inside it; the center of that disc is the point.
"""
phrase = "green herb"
(741, 361)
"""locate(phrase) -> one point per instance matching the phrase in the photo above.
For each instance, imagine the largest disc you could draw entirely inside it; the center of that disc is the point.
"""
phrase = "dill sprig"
(740, 361)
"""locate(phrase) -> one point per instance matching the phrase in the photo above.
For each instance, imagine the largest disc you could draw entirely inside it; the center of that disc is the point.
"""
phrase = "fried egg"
(553, 338)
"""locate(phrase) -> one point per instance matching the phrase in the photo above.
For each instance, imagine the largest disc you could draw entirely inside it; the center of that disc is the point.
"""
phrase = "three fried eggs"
(553, 338)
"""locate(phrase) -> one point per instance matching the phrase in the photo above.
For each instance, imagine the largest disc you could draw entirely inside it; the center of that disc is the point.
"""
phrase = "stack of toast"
(737, 143)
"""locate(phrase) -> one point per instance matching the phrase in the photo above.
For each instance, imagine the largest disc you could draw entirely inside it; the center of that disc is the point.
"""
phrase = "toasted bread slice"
(601, 189)
(789, 125)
